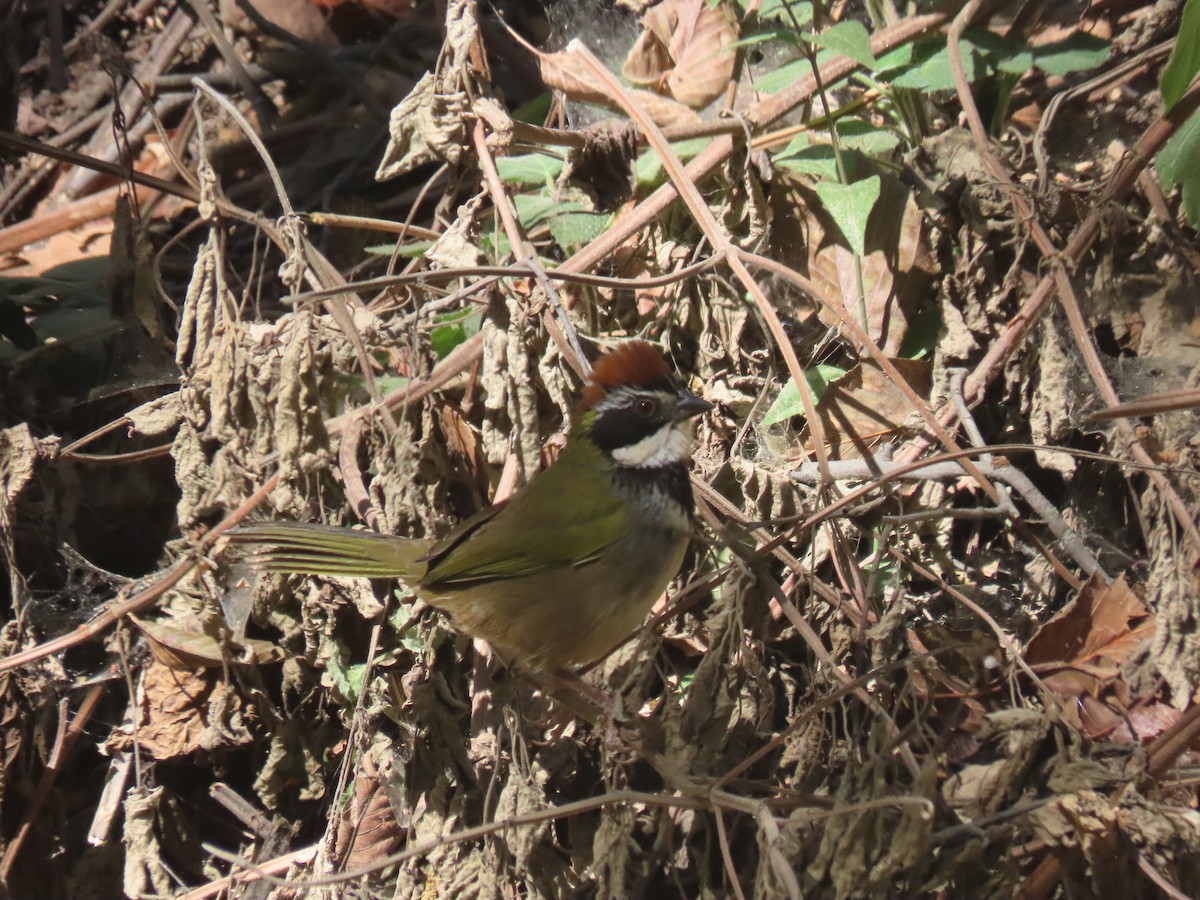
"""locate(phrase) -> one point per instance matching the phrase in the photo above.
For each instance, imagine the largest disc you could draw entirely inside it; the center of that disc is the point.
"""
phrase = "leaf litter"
(868, 688)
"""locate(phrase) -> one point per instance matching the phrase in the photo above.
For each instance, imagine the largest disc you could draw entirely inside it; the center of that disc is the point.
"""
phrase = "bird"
(570, 565)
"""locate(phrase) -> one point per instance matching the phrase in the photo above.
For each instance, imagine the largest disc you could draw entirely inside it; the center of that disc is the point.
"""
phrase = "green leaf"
(984, 53)
(1076, 53)
(574, 229)
(780, 78)
(1016, 65)
(856, 134)
(348, 680)
(805, 153)
(789, 404)
(78, 283)
(649, 167)
(410, 639)
(922, 335)
(531, 168)
(900, 58)
(535, 111)
(458, 328)
(411, 250)
(779, 10)
(1185, 58)
(850, 205)
(847, 38)
(570, 223)
(814, 159)
(389, 383)
(1179, 163)
(532, 208)
(787, 37)
(981, 52)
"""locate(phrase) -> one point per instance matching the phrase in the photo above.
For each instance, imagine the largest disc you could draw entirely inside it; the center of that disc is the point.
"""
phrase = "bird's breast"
(573, 615)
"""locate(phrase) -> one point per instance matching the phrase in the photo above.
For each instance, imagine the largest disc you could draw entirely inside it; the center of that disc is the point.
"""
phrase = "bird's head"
(635, 412)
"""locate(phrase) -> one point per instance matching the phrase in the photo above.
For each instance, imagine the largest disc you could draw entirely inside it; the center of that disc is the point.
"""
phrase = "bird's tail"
(296, 548)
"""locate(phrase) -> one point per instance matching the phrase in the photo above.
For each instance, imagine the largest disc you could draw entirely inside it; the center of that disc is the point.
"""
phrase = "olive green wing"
(565, 518)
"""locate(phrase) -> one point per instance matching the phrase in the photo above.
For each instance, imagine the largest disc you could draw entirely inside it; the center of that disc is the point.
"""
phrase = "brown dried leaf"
(705, 62)
(897, 272)
(460, 437)
(648, 60)
(426, 126)
(686, 48)
(181, 648)
(19, 455)
(1095, 632)
(1086, 822)
(144, 872)
(864, 407)
(1073, 683)
(566, 72)
(1084, 647)
(177, 713)
(663, 110)
(368, 830)
(1148, 721)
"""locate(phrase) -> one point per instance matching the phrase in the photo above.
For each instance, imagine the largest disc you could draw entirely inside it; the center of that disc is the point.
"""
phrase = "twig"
(565, 337)
(762, 113)
(267, 114)
(266, 871)
(1150, 405)
(64, 743)
(1169, 890)
(882, 465)
(512, 270)
(1058, 280)
(731, 871)
(129, 102)
(352, 477)
(313, 267)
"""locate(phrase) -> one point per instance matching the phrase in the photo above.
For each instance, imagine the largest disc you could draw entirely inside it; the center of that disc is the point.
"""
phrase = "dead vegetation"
(937, 635)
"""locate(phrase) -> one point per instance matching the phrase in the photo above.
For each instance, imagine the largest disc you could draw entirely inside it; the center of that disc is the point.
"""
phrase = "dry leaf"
(686, 51)
(897, 271)
(181, 648)
(426, 126)
(1095, 632)
(864, 407)
(368, 829)
(429, 125)
(180, 713)
(1079, 654)
(566, 72)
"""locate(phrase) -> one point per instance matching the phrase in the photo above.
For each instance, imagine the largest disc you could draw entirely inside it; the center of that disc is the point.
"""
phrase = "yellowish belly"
(560, 618)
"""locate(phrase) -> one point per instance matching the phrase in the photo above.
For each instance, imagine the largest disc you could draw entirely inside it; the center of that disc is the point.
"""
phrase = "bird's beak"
(688, 406)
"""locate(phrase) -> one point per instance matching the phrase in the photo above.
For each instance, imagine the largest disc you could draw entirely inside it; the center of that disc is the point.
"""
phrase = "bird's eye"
(644, 407)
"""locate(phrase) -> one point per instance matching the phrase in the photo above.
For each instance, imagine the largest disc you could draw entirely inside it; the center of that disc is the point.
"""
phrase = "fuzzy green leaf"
(574, 229)
(531, 168)
(847, 38)
(1179, 163)
(789, 404)
(1077, 53)
(850, 205)
(1185, 58)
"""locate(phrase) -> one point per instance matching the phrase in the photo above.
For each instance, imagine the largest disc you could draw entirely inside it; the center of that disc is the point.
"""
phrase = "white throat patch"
(670, 444)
